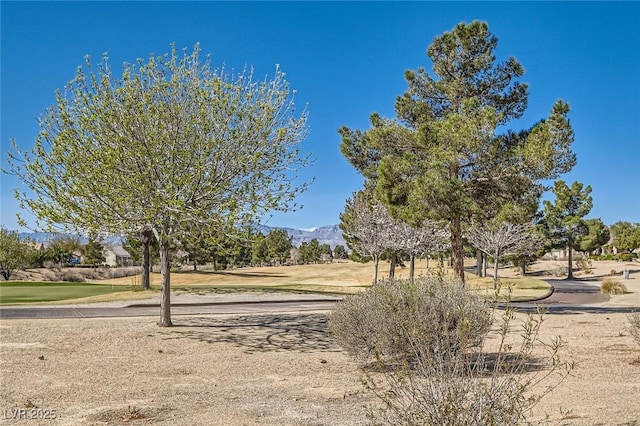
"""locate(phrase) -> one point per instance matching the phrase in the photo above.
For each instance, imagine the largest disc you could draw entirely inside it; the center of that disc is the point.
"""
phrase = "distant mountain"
(329, 234)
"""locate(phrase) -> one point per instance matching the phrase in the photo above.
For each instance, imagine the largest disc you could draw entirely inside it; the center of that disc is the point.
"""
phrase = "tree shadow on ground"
(260, 333)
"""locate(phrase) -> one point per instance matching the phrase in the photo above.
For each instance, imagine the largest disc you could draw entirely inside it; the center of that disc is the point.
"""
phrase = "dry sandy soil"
(265, 370)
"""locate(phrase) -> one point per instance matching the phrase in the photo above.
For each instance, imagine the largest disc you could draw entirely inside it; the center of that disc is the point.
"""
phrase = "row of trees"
(16, 254)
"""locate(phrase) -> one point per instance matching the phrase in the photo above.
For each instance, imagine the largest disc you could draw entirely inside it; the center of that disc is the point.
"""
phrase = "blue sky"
(346, 60)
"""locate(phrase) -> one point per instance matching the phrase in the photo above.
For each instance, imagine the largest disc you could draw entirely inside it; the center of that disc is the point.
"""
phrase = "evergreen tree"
(597, 236)
(93, 252)
(563, 219)
(441, 158)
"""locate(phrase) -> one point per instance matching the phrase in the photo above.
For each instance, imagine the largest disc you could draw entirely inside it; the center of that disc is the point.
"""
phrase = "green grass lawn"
(13, 292)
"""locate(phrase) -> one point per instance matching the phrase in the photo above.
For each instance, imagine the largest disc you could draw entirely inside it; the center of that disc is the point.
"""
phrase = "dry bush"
(634, 326)
(585, 265)
(384, 323)
(122, 272)
(612, 286)
(70, 276)
(451, 373)
(559, 270)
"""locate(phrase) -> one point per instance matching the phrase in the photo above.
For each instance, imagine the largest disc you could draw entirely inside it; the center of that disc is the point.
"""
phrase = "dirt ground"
(266, 370)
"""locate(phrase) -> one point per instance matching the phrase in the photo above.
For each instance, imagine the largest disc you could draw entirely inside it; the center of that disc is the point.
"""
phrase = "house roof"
(118, 251)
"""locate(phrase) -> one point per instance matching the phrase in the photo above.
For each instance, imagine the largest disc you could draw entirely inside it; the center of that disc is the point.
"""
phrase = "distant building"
(116, 256)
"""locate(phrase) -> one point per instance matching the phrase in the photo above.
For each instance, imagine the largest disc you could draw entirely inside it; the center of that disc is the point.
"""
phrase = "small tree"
(278, 246)
(14, 253)
(429, 238)
(563, 219)
(200, 148)
(365, 224)
(597, 236)
(505, 239)
(93, 253)
(339, 252)
(626, 236)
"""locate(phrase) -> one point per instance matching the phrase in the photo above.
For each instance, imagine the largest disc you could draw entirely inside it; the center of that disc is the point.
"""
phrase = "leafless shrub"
(121, 272)
(559, 270)
(634, 326)
(447, 377)
(384, 323)
(70, 276)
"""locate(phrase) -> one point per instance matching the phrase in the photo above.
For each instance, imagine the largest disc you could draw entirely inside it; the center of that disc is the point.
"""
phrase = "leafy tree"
(14, 253)
(278, 245)
(441, 158)
(93, 254)
(326, 254)
(597, 236)
(563, 219)
(339, 252)
(310, 252)
(626, 236)
(169, 145)
(61, 250)
(259, 252)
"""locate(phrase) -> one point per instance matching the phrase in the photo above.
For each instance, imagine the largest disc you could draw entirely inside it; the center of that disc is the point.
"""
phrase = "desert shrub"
(634, 326)
(388, 321)
(121, 272)
(70, 276)
(49, 264)
(611, 286)
(627, 257)
(442, 378)
(584, 264)
(559, 270)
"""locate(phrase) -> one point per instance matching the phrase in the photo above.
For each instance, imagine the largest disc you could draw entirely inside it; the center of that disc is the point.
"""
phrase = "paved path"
(569, 296)
(181, 305)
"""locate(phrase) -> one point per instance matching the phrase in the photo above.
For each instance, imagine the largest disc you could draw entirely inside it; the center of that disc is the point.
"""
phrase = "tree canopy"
(170, 144)
(442, 157)
(563, 219)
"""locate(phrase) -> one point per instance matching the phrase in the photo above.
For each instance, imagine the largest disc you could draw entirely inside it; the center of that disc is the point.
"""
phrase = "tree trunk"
(146, 260)
(523, 266)
(392, 266)
(479, 263)
(195, 265)
(376, 260)
(570, 256)
(165, 303)
(484, 265)
(495, 269)
(457, 251)
(412, 267)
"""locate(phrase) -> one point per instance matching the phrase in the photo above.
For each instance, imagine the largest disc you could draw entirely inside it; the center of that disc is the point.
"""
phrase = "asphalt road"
(153, 309)
(568, 297)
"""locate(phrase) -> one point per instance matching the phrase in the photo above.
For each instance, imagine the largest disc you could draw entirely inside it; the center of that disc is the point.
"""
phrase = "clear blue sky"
(347, 60)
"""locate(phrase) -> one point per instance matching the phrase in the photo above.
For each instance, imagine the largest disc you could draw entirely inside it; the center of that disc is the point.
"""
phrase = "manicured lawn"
(13, 292)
